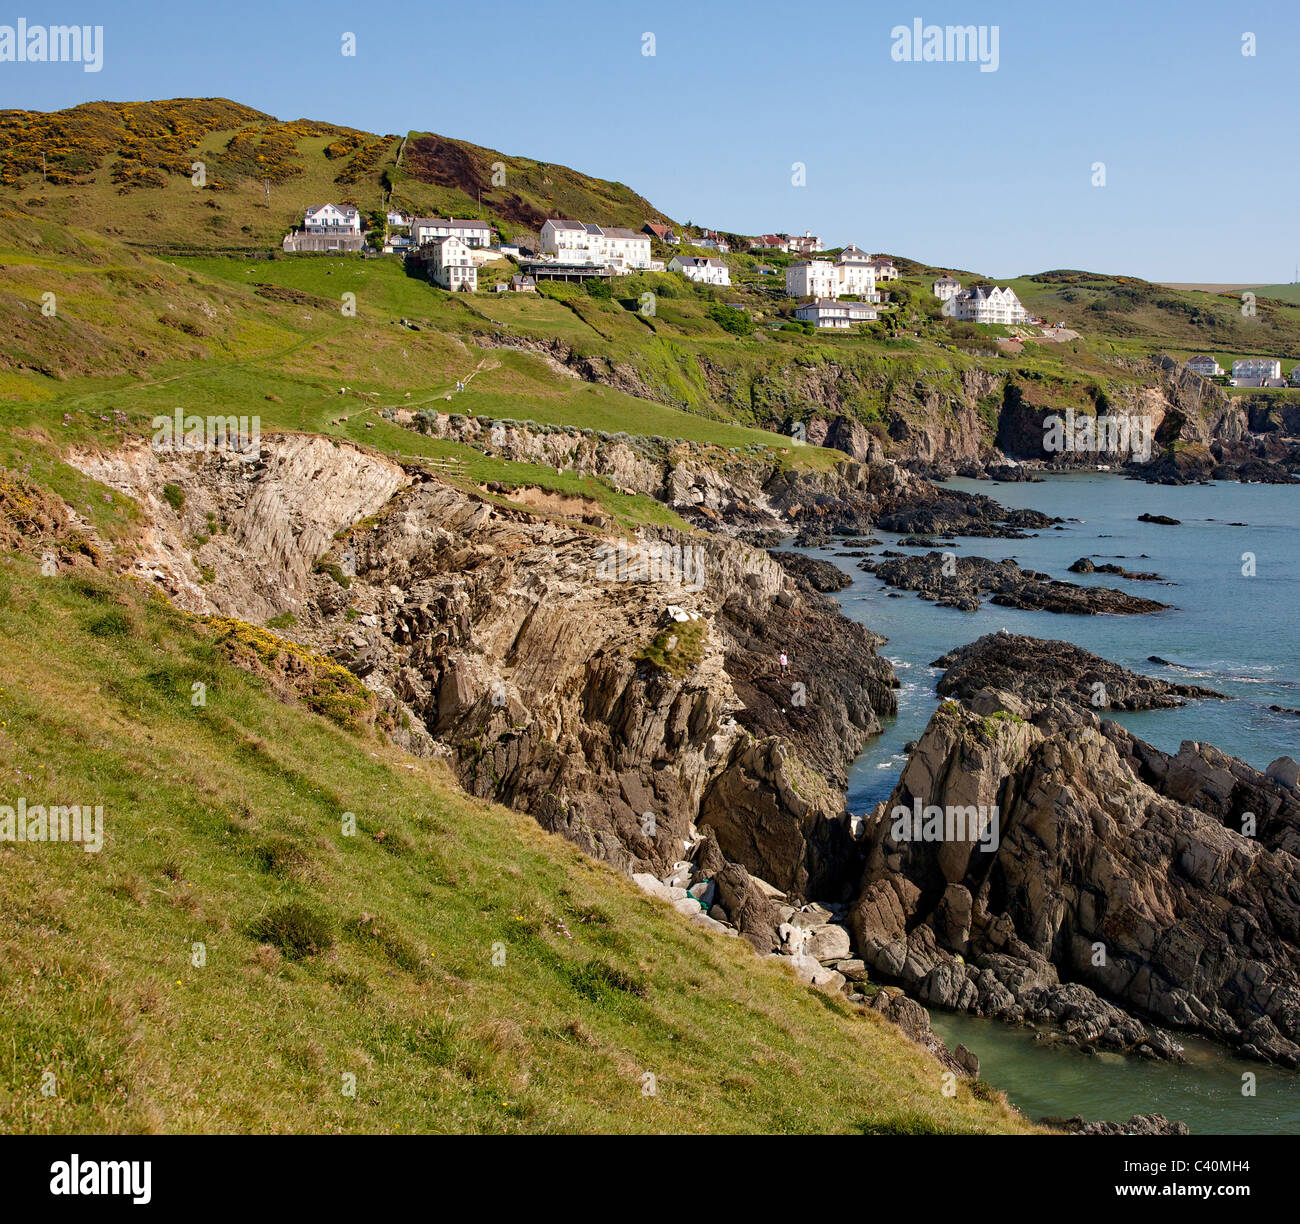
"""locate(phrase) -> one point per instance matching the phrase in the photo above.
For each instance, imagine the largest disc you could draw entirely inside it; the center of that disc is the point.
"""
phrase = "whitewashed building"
(809, 244)
(1204, 365)
(839, 316)
(982, 305)
(702, 270)
(579, 242)
(332, 219)
(850, 275)
(946, 287)
(450, 264)
(397, 218)
(430, 229)
(884, 268)
(1257, 367)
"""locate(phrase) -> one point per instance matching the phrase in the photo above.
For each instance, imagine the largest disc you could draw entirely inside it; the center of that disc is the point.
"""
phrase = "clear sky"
(989, 171)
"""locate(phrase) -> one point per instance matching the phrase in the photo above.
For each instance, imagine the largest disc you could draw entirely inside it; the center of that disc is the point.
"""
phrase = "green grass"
(425, 955)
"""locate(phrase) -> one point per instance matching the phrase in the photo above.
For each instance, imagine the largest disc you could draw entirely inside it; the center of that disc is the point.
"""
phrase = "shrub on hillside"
(294, 929)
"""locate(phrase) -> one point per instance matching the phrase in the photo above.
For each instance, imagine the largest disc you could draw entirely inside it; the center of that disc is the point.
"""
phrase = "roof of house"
(945, 279)
(449, 223)
(560, 224)
(346, 209)
(697, 261)
(618, 232)
(827, 303)
(659, 231)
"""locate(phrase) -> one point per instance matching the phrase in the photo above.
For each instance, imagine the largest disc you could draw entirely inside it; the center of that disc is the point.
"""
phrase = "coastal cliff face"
(626, 692)
(1169, 424)
(1123, 886)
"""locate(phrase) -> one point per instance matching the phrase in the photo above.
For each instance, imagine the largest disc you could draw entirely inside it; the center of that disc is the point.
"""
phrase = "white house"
(946, 287)
(827, 312)
(332, 219)
(807, 245)
(578, 242)
(430, 229)
(1207, 367)
(770, 242)
(1295, 375)
(711, 240)
(884, 268)
(981, 305)
(702, 270)
(1257, 367)
(397, 218)
(851, 275)
(450, 264)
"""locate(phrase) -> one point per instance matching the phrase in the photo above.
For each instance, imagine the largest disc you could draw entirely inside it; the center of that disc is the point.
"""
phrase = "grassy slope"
(133, 337)
(126, 168)
(216, 815)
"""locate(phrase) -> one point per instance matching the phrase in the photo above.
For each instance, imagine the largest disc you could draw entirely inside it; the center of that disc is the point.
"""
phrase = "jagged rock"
(960, 581)
(1040, 672)
(827, 942)
(1085, 565)
(914, 1020)
(1119, 865)
(1138, 1124)
(813, 573)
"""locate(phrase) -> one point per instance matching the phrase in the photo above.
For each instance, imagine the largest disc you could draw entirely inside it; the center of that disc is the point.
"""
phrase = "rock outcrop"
(960, 582)
(626, 692)
(1042, 673)
(1117, 892)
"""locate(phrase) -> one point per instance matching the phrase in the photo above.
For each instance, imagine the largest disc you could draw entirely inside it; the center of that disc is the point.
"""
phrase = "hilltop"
(126, 170)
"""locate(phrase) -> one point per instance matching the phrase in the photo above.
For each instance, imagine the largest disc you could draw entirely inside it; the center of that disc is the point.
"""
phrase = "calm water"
(1233, 633)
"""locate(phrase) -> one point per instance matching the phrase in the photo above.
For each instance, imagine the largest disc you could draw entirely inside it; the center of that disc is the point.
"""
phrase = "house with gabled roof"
(327, 227)
(579, 242)
(984, 305)
(701, 269)
(1204, 365)
(471, 233)
(834, 314)
(664, 233)
(946, 287)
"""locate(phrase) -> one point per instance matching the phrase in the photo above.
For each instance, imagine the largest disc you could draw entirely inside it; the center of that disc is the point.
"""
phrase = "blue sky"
(991, 171)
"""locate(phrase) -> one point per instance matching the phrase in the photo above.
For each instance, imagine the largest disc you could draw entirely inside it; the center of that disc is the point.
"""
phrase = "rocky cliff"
(1121, 889)
(625, 691)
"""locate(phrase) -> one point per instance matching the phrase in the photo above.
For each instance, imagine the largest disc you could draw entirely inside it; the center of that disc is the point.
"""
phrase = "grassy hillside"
(132, 337)
(454, 177)
(126, 169)
(326, 955)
